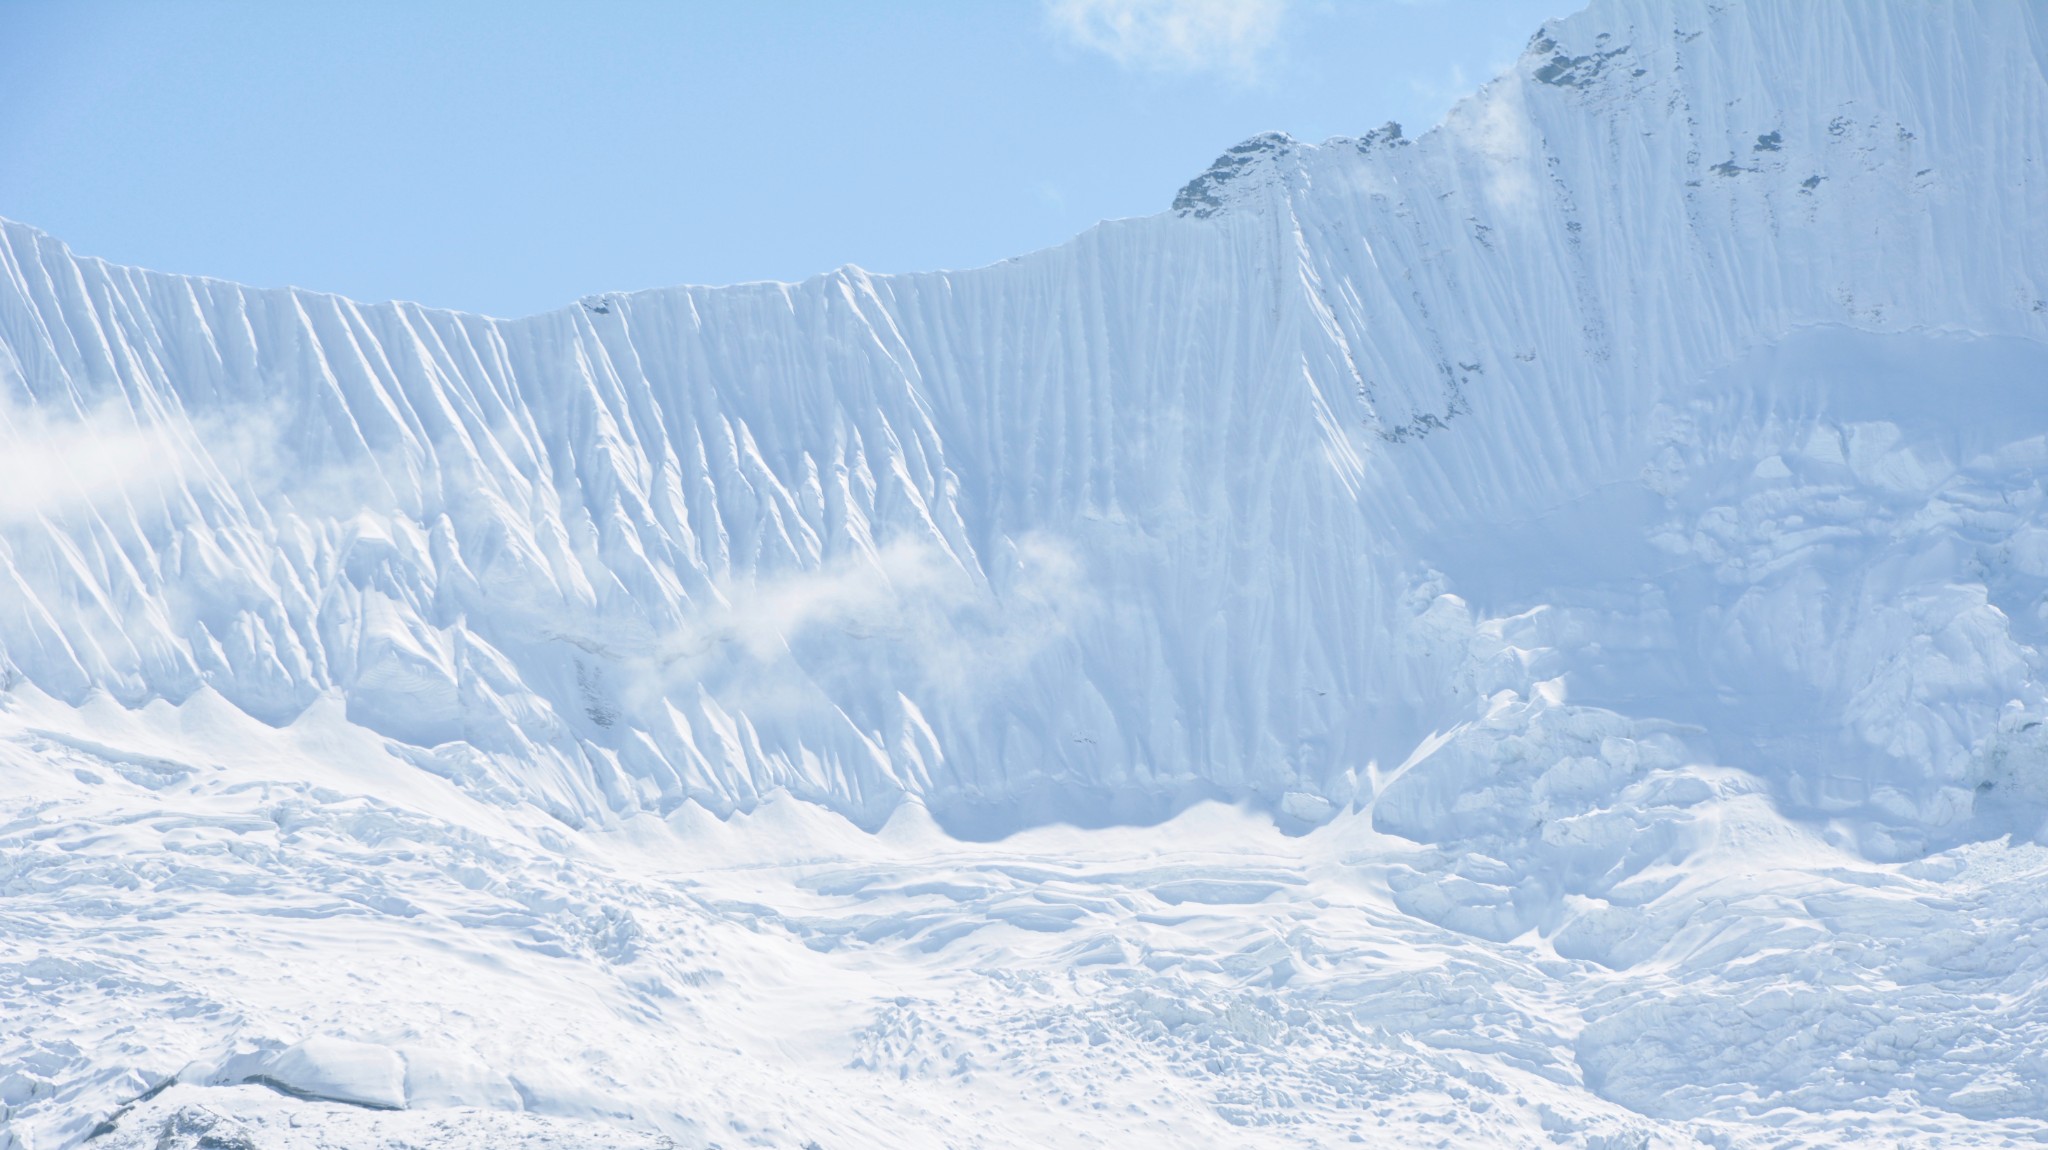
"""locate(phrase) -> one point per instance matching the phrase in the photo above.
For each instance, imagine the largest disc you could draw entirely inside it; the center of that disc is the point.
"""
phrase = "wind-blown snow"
(1614, 518)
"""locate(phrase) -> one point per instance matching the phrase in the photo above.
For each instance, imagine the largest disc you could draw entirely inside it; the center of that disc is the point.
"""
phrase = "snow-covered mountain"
(1626, 492)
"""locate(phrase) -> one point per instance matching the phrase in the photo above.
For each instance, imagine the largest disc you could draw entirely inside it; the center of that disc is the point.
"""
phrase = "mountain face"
(1670, 422)
(1167, 512)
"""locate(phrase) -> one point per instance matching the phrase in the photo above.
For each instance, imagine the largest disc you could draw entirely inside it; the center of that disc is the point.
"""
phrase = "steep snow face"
(1615, 516)
(1682, 391)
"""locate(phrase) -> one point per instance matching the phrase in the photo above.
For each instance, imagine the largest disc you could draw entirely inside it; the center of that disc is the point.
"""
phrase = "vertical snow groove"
(1063, 537)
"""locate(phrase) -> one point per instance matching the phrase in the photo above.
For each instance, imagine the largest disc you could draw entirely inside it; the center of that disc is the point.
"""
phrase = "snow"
(786, 977)
(1530, 633)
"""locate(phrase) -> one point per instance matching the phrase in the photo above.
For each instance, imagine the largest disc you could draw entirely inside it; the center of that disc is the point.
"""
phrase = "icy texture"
(305, 911)
(1125, 522)
(1614, 517)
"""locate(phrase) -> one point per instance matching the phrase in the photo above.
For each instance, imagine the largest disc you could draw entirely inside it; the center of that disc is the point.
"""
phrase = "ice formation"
(1530, 632)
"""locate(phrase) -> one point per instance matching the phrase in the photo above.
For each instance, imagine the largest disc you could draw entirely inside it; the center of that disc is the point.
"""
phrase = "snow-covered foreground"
(1545, 619)
(199, 897)
(193, 894)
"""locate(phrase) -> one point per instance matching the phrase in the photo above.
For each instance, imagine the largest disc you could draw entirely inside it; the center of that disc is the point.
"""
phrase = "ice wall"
(1692, 372)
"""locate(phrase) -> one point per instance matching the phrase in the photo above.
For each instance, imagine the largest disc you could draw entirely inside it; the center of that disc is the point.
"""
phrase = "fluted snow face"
(1689, 372)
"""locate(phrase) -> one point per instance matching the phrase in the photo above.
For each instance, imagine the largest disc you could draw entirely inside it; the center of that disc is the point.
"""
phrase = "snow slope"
(1614, 518)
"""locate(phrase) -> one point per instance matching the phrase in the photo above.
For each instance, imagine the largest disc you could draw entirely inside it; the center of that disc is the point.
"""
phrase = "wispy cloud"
(113, 459)
(1228, 36)
(910, 608)
(53, 466)
(1495, 127)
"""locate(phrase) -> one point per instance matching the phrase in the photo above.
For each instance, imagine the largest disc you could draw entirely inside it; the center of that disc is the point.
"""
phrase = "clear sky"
(509, 157)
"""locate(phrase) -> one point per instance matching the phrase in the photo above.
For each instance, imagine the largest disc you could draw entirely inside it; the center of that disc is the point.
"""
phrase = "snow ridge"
(1083, 535)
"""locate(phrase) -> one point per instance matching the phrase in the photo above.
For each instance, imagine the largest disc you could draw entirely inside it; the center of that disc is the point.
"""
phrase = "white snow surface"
(1530, 634)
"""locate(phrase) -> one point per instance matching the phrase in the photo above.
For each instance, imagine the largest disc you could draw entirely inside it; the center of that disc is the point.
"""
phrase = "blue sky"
(509, 157)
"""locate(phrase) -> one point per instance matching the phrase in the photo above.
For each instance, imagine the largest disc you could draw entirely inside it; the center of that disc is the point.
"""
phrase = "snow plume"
(1494, 127)
(1230, 36)
(112, 457)
(910, 605)
(52, 465)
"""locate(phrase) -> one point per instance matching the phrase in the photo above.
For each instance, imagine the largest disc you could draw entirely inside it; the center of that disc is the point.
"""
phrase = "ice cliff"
(1605, 532)
(1681, 395)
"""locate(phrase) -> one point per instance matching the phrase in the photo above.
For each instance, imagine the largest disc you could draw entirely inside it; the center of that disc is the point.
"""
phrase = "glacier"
(1530, 632)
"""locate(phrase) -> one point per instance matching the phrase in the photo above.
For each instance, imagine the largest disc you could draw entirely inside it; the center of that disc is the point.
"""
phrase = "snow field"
(784, 977)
